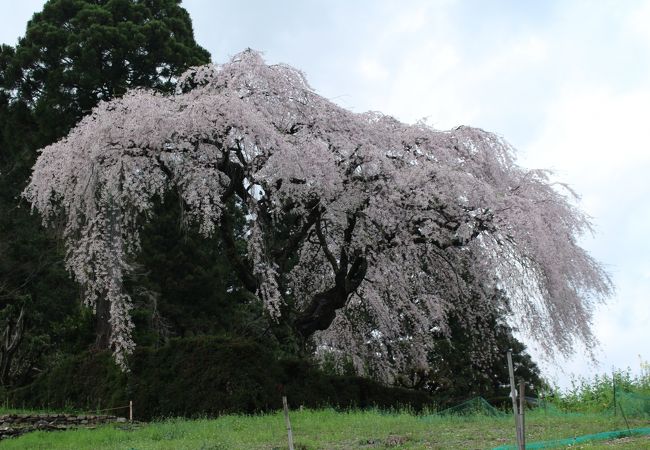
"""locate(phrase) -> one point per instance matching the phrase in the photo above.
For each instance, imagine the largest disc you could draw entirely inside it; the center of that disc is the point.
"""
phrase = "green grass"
(624, 443)
(328, 429)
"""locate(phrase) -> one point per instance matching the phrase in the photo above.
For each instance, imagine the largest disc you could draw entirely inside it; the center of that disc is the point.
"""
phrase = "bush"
(597, 394)
(205, 376)
(307, 386)
(88, 382)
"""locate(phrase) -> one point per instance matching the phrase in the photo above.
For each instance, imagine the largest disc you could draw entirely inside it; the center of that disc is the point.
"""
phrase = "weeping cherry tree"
(363, 233)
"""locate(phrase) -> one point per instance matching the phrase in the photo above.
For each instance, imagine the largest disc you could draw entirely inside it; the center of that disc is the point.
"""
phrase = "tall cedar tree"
(75, 53)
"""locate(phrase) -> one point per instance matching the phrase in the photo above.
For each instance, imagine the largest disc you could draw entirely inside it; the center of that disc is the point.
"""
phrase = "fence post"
(130, 410)
(287, 421)
(614, 389)
(522, 409)
(513, 394)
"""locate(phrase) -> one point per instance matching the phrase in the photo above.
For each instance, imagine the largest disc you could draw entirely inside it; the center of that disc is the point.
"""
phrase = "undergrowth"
(598, 394)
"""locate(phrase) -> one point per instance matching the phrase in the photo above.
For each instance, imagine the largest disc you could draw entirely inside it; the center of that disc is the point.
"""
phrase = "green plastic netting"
(629, 404)
(474, 406)
(633, 404)
(605, 436)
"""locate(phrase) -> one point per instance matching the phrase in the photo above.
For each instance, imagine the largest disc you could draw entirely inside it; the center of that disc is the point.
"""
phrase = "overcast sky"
(566, 82)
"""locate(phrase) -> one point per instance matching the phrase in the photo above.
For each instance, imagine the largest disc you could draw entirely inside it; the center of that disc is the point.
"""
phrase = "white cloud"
(372, 70)
(638, 21)
(591, 127)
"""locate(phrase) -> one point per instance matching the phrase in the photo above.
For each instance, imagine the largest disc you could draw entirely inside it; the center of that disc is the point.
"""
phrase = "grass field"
(328, 429)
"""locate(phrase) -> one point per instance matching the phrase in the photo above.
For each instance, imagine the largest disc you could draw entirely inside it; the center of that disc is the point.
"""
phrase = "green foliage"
(467, 365)
(88, 382)
(199, 376)
(205, 376)
(77, 52)
(307, 386)
(598, 394)
(185, 285)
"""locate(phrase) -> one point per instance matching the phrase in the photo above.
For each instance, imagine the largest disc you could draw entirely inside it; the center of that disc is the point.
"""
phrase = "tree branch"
(321, 311)
(244, 271)
(289, 247)
(324, 246)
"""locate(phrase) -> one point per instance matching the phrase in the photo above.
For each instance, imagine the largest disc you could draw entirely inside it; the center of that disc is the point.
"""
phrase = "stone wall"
(12, 425)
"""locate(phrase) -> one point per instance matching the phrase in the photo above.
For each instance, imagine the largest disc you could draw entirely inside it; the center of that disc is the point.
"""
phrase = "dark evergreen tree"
(184, 284)
(471, 363)
(74, 54)
(78, 52)
(455, 377)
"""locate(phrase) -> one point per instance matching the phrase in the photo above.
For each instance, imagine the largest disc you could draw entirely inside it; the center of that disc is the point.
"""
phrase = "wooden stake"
(513, 394)
(522, 409)
(130, 410)
(288, 422)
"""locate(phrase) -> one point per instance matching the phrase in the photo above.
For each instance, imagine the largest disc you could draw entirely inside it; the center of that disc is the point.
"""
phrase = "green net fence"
(569, 442)
(474, 406)
(633, 404)
(628, 405)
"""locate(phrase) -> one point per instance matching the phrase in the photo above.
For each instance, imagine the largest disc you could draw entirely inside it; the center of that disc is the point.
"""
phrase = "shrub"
(597, 394)
(90, 381)
(202, 376)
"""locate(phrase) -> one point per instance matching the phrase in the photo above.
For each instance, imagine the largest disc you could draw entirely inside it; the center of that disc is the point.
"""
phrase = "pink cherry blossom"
(387, 228)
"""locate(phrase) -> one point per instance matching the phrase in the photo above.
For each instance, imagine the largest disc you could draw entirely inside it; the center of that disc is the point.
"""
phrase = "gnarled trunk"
(321, 311)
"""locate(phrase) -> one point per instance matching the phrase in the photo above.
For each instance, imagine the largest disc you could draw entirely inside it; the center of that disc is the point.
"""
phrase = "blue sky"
(566, 82)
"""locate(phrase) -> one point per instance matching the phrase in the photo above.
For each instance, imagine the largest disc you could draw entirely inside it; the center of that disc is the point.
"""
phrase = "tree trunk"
(11, 338)
(321, 311)
(102, 324)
